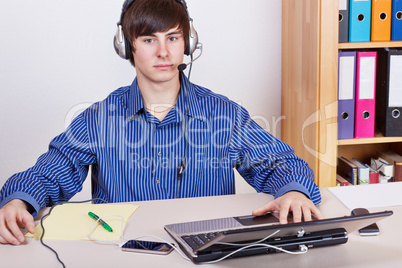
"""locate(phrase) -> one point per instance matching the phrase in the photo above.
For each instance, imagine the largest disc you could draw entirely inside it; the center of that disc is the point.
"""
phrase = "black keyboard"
(198, 240)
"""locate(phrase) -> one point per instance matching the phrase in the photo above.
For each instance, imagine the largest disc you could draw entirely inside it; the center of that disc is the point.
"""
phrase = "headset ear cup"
(121, 46)
(192, 40)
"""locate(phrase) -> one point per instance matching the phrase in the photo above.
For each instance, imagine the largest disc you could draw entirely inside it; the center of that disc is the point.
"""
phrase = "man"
(162, 137)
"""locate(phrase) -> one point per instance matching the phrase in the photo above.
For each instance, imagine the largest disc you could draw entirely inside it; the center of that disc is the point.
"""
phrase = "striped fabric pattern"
(135, 157)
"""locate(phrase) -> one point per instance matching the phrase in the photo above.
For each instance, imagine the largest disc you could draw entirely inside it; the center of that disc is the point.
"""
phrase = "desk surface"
(384, 250)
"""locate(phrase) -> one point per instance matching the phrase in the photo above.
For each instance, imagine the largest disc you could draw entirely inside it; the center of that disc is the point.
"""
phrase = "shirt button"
(158, 181)
(159, 153)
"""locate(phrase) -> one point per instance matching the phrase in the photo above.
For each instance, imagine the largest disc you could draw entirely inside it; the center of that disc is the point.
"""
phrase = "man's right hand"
(14, 215)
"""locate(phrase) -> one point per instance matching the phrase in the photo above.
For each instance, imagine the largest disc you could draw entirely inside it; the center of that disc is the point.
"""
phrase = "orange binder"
(381, 20)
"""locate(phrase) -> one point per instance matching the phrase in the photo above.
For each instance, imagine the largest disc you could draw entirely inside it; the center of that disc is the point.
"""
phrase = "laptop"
(207, 240)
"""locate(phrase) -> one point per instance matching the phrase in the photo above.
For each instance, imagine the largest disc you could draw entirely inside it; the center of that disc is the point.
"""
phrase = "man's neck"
(158, 98)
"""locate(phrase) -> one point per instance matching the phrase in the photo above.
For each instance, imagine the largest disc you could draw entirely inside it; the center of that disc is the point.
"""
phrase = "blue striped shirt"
(136, 157)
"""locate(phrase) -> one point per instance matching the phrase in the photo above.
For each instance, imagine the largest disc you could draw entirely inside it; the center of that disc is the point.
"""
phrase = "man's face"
(157, 56)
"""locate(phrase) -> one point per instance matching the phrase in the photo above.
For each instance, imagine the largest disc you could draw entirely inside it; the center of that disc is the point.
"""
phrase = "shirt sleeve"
(268, 164)
(58, 174)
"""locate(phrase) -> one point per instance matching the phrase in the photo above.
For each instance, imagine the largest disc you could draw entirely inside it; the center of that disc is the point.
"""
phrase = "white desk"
(382, 251)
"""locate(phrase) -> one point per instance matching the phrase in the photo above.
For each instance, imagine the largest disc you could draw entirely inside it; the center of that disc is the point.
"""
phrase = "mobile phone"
(372, 229)
(147, 247)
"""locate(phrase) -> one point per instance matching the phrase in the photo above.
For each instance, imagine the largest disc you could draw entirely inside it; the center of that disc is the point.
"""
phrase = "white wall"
(57, 55)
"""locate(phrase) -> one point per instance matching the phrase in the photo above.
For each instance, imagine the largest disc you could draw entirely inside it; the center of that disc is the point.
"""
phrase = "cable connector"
(303, 248)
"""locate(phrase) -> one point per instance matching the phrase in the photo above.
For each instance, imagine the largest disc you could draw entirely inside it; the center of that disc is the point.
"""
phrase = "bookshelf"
(309, 89)
(368, 45)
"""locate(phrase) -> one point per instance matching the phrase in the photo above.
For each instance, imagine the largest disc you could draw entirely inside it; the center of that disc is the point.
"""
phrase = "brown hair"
(145, 17)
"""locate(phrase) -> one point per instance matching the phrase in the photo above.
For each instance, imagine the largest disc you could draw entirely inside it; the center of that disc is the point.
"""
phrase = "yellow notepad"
(71, 222)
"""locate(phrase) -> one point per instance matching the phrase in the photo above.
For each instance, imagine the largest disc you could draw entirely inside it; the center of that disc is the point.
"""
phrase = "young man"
(141, 137)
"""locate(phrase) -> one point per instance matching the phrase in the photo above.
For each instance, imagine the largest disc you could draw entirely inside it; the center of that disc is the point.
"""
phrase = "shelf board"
(378, 138)
(361, 45)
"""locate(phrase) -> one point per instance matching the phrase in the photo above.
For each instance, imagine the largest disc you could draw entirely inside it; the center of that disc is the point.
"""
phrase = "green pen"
(104, 224)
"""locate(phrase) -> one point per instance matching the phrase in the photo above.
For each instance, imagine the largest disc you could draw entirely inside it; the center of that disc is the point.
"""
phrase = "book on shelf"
(363, 172)
(385, 169)
(394, 159)
(347, 170)
(374, 175)
(341, 181)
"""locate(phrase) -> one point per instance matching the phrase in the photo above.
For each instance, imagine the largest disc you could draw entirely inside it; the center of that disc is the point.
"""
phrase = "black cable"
(46, 215)
(183, 162)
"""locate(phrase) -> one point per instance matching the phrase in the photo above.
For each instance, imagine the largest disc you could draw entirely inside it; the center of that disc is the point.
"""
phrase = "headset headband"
(128, 3)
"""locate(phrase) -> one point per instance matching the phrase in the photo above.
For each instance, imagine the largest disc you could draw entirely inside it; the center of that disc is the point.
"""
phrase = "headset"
(123, 47)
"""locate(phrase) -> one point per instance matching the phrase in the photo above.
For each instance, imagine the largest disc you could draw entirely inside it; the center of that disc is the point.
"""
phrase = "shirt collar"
(135, 103)
(194, 107)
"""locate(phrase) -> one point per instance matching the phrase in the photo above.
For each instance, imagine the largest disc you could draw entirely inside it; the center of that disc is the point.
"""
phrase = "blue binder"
(360, 21)
(396, 22)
